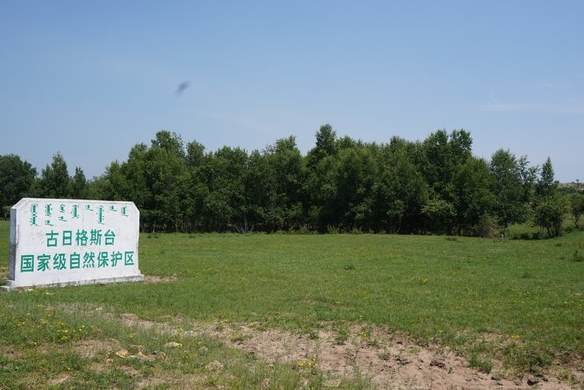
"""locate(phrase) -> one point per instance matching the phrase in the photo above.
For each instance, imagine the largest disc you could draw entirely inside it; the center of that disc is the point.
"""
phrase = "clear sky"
(90, 79)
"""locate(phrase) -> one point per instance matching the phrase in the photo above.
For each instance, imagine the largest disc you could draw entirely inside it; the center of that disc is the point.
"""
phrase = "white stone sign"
(58, 242)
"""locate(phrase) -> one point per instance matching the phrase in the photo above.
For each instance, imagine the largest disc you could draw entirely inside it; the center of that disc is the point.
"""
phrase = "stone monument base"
(10, 285)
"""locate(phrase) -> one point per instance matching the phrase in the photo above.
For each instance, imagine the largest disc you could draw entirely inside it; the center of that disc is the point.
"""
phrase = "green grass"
(423, 285)
(521, 302)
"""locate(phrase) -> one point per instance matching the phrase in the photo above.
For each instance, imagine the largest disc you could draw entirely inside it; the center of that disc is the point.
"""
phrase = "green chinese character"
(102, 260)
(129, 258)
(67, 237)
(116, 257)
(109, 237)
(43, 264)
(75, 261)
(81, 237)
(27, 263)
(52, 238)
(89, 260)
(59, 262)
(95, 237)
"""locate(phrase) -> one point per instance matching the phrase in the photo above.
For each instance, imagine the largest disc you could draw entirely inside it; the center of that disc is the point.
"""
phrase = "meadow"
(508, 305)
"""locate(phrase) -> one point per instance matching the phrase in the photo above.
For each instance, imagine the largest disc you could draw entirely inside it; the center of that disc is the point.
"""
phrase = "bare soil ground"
(391, 361)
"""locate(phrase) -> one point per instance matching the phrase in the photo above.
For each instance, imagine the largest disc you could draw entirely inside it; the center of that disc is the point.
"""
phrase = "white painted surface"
(57, 242)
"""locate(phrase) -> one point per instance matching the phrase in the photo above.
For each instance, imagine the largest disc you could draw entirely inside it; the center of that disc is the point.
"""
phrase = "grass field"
(516, 302)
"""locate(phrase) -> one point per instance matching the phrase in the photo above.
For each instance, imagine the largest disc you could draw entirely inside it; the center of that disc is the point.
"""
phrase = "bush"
(487, 227)
(549, 215)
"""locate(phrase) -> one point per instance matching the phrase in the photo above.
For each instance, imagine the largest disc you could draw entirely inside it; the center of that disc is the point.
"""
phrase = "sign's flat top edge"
(61, 200)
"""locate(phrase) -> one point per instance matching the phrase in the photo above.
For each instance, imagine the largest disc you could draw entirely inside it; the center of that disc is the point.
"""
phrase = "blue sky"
(90, 79)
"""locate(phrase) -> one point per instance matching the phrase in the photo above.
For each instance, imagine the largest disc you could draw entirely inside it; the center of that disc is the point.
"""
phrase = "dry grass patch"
(159, 279)
(91, 349)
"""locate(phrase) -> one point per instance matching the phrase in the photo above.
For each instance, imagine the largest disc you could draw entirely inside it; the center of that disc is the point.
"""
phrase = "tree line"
(434, 186)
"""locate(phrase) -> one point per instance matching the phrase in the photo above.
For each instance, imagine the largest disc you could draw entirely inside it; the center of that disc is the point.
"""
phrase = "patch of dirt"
(159, 279)
(390, 360)
(131, 319)
(12, 353)
(60, 380)
(89, 349)
(187, 381)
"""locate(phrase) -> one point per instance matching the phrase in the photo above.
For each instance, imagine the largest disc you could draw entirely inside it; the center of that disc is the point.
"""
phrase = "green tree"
(443, 153)
(16, 181)
(512, 185)
(326, 145)
(546, 185)
(260, 195)
(400, 190)
(224, 206)
(166, 176)
(435, 186)
(340, 188)
(129, 181)
(79, 185)
(471, 192)
(549, 214)
(114, 185)
(55, 181)
(99, 187)
(195, 157)
(439, 215)
(286, 174)
(550, 207)
(577, 208)
(355, 179)
(320, 187)
(154, 179)
(322, 191)
(195, 187)
(170, 142)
